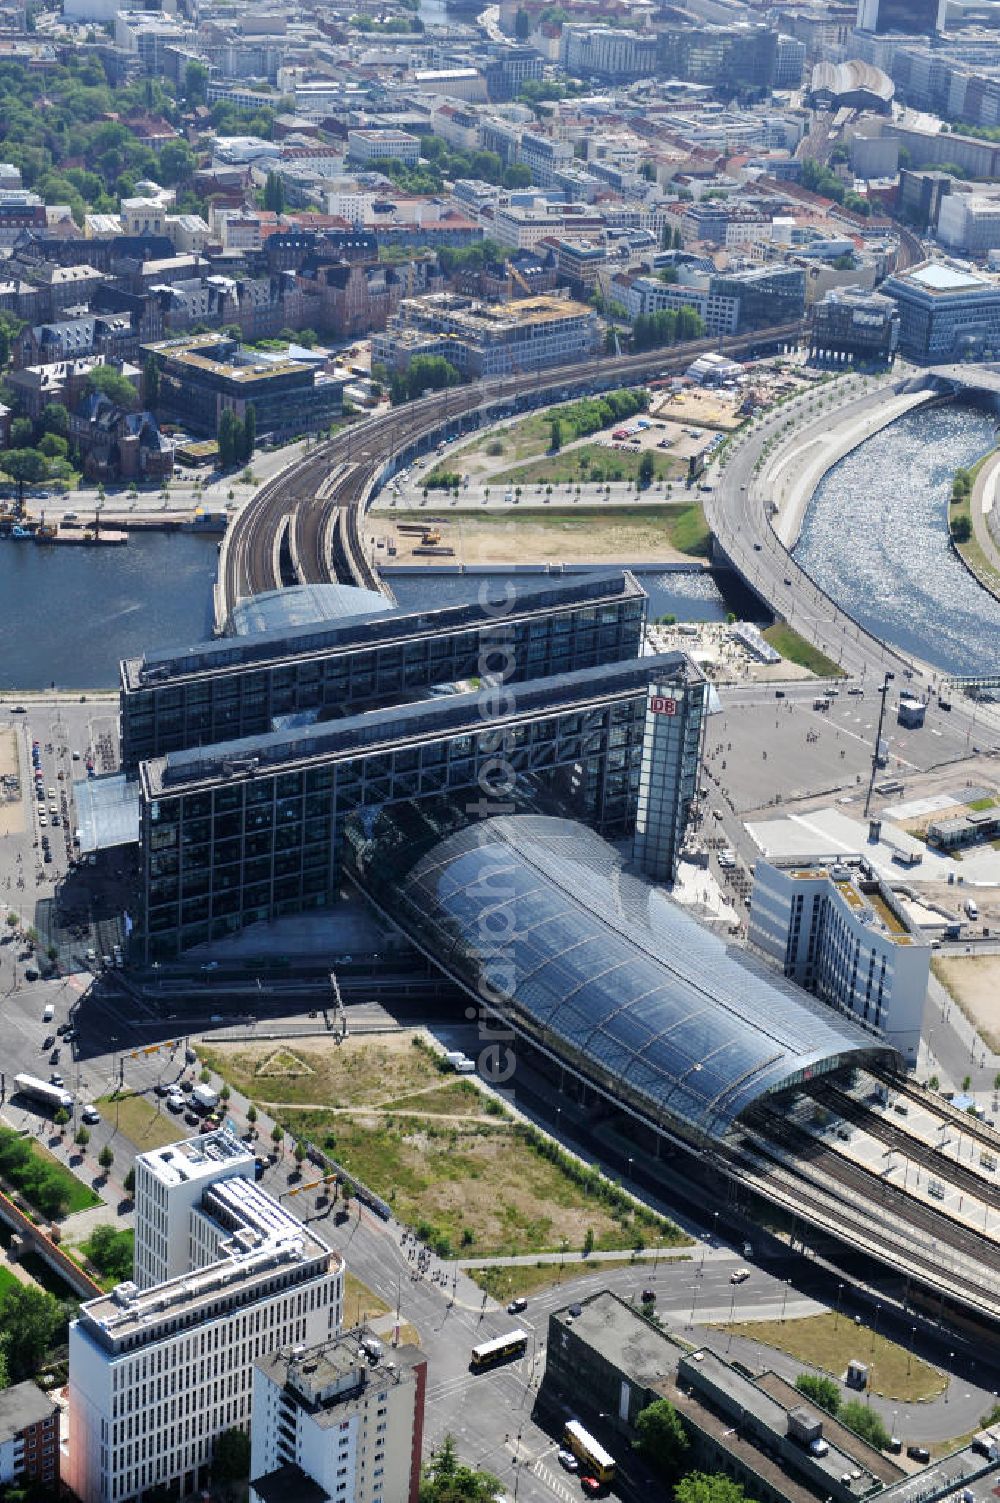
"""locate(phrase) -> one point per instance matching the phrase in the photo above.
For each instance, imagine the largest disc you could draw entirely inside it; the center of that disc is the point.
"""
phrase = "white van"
(49, 1013)
(971, 908)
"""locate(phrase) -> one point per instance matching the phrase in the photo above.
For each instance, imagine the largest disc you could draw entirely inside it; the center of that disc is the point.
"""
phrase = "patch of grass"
(503, 1283)
(137, 1118)
(7, 1281)
(40, 1179)
(359, 1072)
(360, 1302)
(459, 1098)
(824, 1342)
(978, 804)
(479, 1187)
(796, 649)
(590, 462)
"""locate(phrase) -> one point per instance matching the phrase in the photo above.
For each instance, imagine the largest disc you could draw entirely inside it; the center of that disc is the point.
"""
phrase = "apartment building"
(156, 1374)
(543, 156)
(609, 52)
(341, 1422)
(840, 932)
(29, 1437)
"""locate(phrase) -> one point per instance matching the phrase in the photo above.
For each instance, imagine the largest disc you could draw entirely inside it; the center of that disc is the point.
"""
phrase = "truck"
(40, 1090)
(971, 908)
(204, 1099)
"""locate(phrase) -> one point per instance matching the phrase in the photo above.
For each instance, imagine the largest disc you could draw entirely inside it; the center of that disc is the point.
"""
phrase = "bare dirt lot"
(11, 809)
(974, 983)
(665, 534)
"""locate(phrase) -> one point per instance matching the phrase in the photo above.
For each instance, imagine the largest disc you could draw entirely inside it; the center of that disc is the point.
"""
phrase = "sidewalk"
(981, 506)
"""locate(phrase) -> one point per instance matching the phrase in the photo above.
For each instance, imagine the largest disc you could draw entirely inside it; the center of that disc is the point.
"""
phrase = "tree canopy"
(446, 1480)
(708, 1487)
(231, 1457)
(113, 385)
(29, 1319)
(662, 1438)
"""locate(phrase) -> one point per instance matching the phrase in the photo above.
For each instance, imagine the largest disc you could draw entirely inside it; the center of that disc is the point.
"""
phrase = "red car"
(591, 1486)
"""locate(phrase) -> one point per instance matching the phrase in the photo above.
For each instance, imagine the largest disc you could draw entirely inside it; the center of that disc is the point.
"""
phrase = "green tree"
(274, 193)
(961, 531)
(277, 1135)
(517, 175)
(300, 1152)
(647, 469)
(555, 435)
(29, 1320)
(151, 382)
(106, 1157)
(195, 82)
(82, 1137)
(113, 385)
(53, 447)
(112, 1251)
(176, 163)
(661, 1438)
(25, 467)
(708, 1487)
(864, 1422)
(22, 431)
(231, 1457)
(128, 1183)
(55, 419)
(588, 1242)
(61, 1117)
(252, 1114)
(447, 1480)
(823, 1391)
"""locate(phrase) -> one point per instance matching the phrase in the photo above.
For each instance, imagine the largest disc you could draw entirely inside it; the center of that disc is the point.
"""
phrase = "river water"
(67, 614)
(876, 539)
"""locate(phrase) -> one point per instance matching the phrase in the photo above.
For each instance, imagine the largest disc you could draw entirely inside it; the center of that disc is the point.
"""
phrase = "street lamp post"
(836, 1318)
(886, 681)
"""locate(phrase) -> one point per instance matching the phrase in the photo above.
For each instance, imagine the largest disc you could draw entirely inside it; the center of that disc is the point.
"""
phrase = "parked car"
(568, 1461)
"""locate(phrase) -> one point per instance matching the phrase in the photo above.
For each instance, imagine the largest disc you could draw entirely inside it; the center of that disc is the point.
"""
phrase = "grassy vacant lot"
(797, 650)
(138, 1120)
(474, 1186)
(632, 532)
(971, 982)
(360, 1302)
(359, 1072)
(824, 1342)
(468, 1178)
(587, 462)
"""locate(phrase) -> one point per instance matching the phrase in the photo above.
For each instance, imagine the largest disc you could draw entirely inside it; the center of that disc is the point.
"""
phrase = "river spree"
(876, 540)
(69, 613)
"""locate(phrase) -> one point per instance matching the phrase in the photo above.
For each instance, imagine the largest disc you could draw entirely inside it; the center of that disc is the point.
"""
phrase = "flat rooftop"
(366, 733)
(522, 597)
(322, 1377)
(193, 1159)
(939, 277)
(624, 1338)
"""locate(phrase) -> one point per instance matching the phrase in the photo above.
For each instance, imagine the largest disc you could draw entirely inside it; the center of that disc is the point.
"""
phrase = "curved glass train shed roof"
(608, 974)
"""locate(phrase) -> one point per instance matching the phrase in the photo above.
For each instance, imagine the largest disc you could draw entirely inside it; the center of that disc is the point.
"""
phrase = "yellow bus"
(501, 1349)
(589, 1452)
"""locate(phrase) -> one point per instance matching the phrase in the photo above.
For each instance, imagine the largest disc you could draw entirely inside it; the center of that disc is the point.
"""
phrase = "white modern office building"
(840, 932)
(338, 1423)
(157, 1373)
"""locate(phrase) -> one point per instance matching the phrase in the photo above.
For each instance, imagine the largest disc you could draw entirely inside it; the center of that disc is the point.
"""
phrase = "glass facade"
(246, 833)
(537, 917)
(231, 689)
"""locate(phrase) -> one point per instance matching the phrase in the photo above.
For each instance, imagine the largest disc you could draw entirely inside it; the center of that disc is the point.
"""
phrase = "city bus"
(501, 1349)
(589, 1452)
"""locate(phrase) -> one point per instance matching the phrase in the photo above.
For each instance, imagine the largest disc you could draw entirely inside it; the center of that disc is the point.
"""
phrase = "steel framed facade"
(236, 688)
(253, 830)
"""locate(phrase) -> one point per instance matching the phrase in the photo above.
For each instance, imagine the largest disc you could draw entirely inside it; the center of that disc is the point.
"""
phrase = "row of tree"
(669, 326)
(237, 439)
(424, 373)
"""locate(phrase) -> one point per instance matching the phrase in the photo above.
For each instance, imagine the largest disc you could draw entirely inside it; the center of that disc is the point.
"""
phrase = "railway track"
(247, 557)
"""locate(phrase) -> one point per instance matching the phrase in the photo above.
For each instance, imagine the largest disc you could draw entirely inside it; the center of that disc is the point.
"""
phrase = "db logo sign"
(661, 706)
